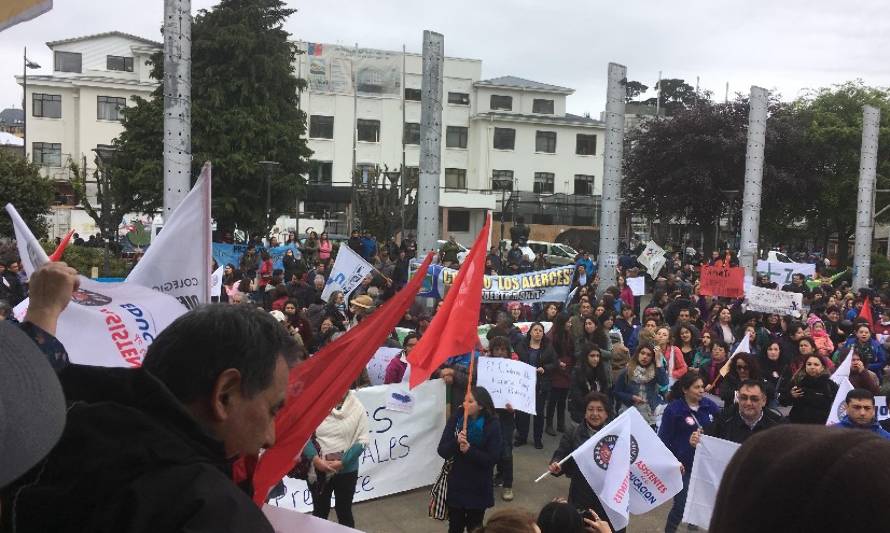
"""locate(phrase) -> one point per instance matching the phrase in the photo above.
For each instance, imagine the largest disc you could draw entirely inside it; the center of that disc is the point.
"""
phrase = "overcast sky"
(786, 45)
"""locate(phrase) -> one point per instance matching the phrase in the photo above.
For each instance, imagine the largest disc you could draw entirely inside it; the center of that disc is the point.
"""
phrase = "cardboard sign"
(637, 285)
(773, 301)
(508, 381)
(722, 281)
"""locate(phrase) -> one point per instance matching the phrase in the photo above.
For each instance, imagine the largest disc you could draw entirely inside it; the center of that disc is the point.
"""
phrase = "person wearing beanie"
(824, 346)
(805, 478)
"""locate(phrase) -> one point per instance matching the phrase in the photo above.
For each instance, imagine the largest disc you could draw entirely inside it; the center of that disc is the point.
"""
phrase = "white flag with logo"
(31, 254)
(712, 455)
(348, 272)
(839, 405)
(652, 258)
(216, 282)
(842, 372)
(643, 475)
(178, 261)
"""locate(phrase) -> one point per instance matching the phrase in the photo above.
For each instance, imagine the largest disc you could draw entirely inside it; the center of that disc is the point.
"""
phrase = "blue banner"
(224, 253)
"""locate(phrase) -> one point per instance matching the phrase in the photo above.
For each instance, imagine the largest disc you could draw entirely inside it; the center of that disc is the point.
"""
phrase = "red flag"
(60, 250)
(315, 386)
(865, 312)
(453, 329)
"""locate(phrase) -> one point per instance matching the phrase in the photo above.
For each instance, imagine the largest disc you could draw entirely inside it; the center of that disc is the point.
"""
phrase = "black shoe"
(539, 445)
(519, 442)
(550, 431)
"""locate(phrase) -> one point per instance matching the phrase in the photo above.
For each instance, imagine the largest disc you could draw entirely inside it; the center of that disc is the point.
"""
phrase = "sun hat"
(364, 301)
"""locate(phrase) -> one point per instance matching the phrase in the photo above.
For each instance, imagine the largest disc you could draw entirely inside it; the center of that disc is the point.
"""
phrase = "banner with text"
(653, 259)
(722, 281)
(551, 285)
(346, 69)
(773, 301)
(225, 254)
(780, 273)
(402, 452)
(508, 381)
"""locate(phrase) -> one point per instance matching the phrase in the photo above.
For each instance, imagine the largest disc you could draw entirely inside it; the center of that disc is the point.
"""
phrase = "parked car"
(555, 253)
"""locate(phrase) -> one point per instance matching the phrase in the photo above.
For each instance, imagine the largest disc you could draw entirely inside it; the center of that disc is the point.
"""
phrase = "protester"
(811, 393)
(861, 377)
(870, 351)
(473, 454)
(207, 392)
(500, 347)
(341, 439)
(589, 375)
(638, 385)
(324, 248)
(559, 516)
(11, 289)
(395, 370)
(861, 413)
(509, 521)
(535, 350)
(561, 376)
(673, 357)
(739, 421)
(596, 415)
(291, 266)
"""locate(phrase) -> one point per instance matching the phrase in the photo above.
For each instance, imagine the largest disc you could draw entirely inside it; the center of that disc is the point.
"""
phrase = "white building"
(503, 132)
(76, 109)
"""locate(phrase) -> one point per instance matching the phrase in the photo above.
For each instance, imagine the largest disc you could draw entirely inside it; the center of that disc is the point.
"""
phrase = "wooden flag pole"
(469, 388)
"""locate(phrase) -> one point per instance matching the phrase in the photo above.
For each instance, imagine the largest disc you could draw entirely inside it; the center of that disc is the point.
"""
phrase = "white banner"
(653, 259)
(780, 273)
(178, 261)
(377, 365)
(31, 254)
(551, 285)
(712, 455)
(773, 301)
(348, 272)
(344, 69)
(112, 324)
(402, 452)
(508, 381)
(842, 372)
(637, 285)
(647, 470)
(216, 282)
(287, 521)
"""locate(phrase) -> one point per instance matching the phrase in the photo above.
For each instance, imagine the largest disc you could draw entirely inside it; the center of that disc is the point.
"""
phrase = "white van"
(555, 253)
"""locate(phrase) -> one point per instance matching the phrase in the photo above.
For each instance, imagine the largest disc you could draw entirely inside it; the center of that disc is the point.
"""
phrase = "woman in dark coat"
(589, 375)
(561, 377)
(536, 350)
(475, 453)
(812, 393)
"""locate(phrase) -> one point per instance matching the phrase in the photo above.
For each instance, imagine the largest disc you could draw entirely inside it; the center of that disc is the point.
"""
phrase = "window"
(46, 105)
(66, 62)
(585, 144)
(412, 94)
(545, 141)
(109, 107)
(458, 98)
(502, 180)
(458, 220)
(456, 137)
(321, 127)
(544, 107)
(47, 154)
(583, 184)
(544, 182)
(321, 172)
(504, 138)
(119, 63)
(364, 172)
(368, 130)
(501, 102)
(411, 133)
(455, 178)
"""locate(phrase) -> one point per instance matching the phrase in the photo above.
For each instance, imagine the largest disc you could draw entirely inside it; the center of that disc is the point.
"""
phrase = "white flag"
(842, 372)
(31, 253)
(839, 405)
(216, 281)
(643, 475)
(743, 347)
(652, 258)
(348, 272)
(712, 455)
(178, 262)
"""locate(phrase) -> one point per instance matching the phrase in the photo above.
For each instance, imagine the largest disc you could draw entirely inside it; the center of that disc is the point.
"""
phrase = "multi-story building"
(76, 109)
(505, 141)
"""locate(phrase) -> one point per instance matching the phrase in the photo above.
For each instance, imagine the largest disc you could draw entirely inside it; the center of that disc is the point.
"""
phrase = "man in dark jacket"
(738, 422)
(150, 449)
(355, 242)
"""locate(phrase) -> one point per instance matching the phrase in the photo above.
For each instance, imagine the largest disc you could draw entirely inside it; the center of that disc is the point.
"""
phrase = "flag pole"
(547, 473)
(469, 387)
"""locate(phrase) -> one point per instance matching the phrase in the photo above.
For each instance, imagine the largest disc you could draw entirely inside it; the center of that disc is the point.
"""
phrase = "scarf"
(475, 429)
(643, 374)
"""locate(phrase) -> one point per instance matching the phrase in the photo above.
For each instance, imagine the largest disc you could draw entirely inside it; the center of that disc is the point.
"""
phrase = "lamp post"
(25, 66)
(269, 167)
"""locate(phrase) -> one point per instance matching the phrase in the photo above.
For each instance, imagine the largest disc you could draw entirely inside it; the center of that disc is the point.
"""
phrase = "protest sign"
(652, 258)
(377, 365)
(225, 254)
(637, 285)
(780, 273)
(551, 285)
(347, 273)
(178, 261)
(712, 455)
(773, 301)
(401, 454)
(508, 381)
(722, 281)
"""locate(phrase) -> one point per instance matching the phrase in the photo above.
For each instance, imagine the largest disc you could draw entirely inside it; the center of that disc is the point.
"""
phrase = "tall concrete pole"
(748, 249)
(430, 141)
(868, 158)
(612, 173)
(177, 102)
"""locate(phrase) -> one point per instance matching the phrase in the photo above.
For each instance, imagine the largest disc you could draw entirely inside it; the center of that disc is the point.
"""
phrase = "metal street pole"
(612, 173)
(871, 118)
(25, 66)
(748, 248)
(268, 169)
(430, 141)
(177, 102)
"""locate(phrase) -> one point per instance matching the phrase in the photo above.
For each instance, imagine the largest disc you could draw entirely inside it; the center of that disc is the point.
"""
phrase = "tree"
(244, 110)
(379, 201)
(676, 95)
(32, 194)
(634, 90)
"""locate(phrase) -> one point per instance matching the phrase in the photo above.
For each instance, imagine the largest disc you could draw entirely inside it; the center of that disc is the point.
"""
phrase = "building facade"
(76, 109)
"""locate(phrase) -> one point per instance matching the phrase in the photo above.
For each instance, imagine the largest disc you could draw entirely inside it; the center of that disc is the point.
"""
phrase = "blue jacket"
(679, 422)
(876, 365)
(588, 265)
(470, 480)
(874, 427)
(625, 389)
(369, 247)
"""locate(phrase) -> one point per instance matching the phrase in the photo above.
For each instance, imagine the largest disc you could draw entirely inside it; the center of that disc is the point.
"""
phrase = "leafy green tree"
(244, 110)
(32, 194)
(634, 90)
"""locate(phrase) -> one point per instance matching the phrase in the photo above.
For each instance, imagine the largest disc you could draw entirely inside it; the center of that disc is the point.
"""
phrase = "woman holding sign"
(474, 453)
(537, 351)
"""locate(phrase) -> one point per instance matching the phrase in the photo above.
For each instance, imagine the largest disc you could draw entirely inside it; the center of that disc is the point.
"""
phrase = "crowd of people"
(596, 355)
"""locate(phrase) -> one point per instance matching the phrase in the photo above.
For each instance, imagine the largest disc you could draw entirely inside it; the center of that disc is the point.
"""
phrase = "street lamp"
(269, 167)
(25, 66)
